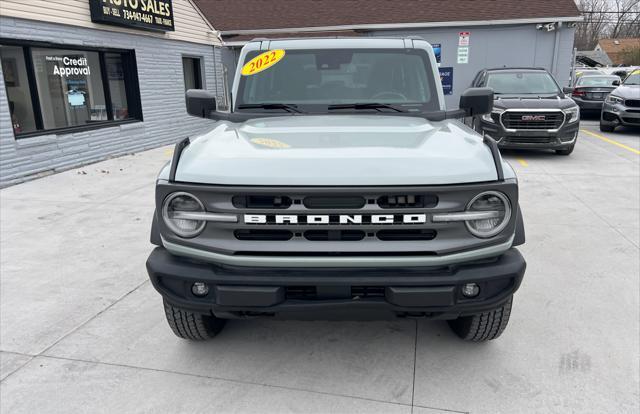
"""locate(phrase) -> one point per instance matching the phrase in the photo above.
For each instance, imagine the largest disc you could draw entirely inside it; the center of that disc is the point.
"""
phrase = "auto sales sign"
(139, 14)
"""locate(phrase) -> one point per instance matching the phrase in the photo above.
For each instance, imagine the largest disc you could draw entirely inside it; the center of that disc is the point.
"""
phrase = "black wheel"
(194, 326)
(484, 326)
(565, 151)
(606, 127)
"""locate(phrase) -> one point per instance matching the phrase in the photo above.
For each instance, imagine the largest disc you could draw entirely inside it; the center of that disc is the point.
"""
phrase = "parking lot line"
(523, 162)
(610, 141)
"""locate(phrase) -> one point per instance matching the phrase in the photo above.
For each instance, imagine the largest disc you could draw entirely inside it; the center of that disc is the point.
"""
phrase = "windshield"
(597, 81)
(321, 80)
(519, 83)
(633, 79)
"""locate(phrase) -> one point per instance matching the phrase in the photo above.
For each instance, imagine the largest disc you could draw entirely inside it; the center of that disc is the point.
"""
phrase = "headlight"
(489, 117)
(572, 114)
(175, 213)
(612, 99)
(489, 202)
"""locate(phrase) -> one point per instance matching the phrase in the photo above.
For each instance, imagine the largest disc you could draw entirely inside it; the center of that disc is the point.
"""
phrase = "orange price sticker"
(262, 61)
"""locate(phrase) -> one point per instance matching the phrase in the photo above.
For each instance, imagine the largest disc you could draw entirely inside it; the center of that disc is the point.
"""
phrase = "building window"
(192, 73)
(14, 68)
(51, 89)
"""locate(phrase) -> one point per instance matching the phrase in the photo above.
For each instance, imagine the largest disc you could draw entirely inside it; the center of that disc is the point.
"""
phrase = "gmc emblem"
(533, 117)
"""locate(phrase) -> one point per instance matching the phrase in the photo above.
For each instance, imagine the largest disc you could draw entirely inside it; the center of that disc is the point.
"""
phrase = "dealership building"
(468, 35)
(83, 80)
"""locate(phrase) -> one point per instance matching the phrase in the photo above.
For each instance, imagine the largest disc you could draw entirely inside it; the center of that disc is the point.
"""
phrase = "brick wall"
(160, 76)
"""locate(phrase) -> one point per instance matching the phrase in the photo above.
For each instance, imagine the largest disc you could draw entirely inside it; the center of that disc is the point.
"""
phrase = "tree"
(606, 19)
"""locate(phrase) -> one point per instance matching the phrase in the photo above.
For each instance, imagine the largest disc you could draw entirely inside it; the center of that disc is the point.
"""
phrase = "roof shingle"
(232, 15)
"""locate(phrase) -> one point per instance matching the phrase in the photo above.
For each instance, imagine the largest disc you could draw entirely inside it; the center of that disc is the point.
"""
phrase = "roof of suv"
(337, 42)
(515, 69)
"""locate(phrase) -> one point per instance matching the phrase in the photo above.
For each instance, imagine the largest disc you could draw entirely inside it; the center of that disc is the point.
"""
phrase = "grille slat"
(632, 103)
(334, 235)
(337, 202)
(263, 235)
(532, 120)
(530, 140)
(406, 235)
(408, 201)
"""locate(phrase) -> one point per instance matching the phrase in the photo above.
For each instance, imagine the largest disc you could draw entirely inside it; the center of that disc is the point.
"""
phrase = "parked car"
(337, 186)
(530, 110)
(590, 91)
(622, 106)
(585, 71)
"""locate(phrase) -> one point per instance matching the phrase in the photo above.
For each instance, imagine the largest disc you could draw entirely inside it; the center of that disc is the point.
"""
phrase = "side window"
(192, 73)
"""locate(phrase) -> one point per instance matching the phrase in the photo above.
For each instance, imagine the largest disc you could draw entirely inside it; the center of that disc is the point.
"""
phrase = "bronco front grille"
(532, 120)
(334, 222)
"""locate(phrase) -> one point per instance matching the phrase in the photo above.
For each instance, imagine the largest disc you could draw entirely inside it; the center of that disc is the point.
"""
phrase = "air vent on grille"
(408, 201)
(261, 201)
(263, 235)
(334, 202)
(406, 235)
(301, 292)
(334, 235)
(367, 291)
(531, 140)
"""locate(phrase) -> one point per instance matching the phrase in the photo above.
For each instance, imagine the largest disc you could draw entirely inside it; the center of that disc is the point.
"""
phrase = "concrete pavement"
(82, 330)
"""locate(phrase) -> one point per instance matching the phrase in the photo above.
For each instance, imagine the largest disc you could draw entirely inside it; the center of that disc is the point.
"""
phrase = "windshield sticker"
(271, 143)
(262, 61)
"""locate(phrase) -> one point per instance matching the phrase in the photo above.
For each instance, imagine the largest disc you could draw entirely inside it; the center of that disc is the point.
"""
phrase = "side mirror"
(615, 83)
(567, 90)
(476, 101)
(200, 103)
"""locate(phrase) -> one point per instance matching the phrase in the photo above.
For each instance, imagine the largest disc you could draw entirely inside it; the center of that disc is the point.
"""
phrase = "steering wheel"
(390, 95)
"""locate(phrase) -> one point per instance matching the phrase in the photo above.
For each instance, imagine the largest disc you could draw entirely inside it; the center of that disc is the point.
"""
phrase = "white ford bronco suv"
(337, 185)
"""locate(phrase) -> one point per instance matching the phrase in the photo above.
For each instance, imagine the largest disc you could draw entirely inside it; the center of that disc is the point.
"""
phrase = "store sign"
(66, 66)
(446, 77)
(139, 14)
(463, 55)
(463, 38)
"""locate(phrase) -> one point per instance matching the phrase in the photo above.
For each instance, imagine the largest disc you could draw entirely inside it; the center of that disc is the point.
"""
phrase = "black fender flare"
(155, 231)
(519, 237)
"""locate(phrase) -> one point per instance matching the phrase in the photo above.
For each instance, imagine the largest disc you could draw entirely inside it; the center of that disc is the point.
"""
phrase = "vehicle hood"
(627, 91)
(532, 102)
(337, 150)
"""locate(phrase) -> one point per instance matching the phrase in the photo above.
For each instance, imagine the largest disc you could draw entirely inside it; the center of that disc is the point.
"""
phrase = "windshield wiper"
(365, 106)
(286, 107)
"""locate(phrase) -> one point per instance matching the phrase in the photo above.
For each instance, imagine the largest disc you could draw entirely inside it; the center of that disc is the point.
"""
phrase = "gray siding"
(159, 65)
(497, 46)
(490, 46)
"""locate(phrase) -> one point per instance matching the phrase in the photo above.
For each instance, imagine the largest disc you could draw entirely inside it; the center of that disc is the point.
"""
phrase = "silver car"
(622, 106)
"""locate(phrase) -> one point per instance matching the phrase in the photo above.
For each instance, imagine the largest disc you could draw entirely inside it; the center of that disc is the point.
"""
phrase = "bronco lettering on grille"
(338, 219)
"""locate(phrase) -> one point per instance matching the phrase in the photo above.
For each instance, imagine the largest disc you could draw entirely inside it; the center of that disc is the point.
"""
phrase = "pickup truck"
(336, 185)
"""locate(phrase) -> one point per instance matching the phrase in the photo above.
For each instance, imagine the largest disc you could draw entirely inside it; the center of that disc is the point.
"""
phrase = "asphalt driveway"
(82, 329)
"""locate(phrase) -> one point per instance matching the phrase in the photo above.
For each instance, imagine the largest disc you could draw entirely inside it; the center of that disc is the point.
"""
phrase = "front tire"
(193, 326)
(606, 127)
(483, 326)
(566, 151)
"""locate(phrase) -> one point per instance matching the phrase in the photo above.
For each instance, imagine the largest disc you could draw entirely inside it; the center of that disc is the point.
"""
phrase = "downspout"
(554, 63)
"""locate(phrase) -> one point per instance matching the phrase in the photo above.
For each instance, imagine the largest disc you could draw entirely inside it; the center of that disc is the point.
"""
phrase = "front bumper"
(564, 137)
(618, 114)
(336, 293)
